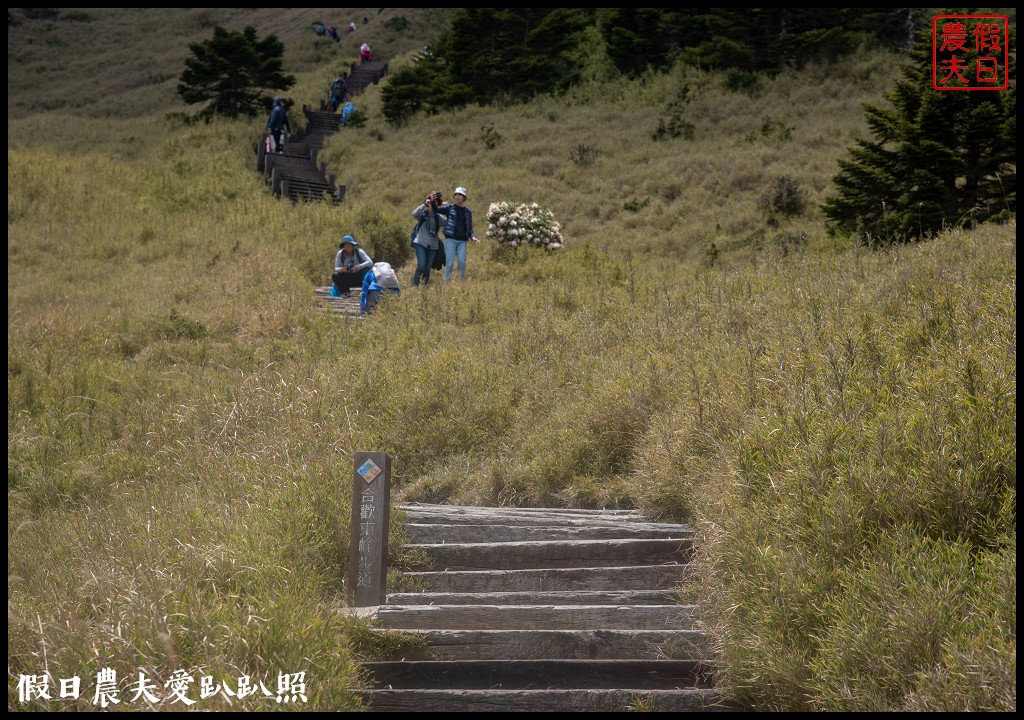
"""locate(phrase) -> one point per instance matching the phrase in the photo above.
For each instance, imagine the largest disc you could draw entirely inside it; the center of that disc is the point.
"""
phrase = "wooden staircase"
(340, 305)
(543, 610)
(297, 174)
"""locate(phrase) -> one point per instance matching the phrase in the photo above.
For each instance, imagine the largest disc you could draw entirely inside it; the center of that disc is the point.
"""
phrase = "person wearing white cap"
(458, 231)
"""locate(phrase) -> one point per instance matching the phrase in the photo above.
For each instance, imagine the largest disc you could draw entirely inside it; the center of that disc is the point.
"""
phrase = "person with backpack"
(277, 123)
(365, 54)
(350, 266)
(458, 231)
(339, 89)
(380, 278)
(424, 237)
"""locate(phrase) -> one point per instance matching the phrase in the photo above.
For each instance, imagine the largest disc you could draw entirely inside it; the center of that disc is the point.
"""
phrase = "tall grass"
(839, 425)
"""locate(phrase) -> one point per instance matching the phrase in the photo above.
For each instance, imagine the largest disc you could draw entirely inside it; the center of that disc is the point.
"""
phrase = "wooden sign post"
(371, 510)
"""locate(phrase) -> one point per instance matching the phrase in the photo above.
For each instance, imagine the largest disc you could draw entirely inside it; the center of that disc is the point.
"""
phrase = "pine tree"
(489, 54)
(232, 70)
(938, 159)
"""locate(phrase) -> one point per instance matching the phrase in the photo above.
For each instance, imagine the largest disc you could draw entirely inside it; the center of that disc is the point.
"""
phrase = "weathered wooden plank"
(547, 579)
(553, 553)
(456, 513)
(549, 597)
(536, 674)
(574, 700)
(537, 617)
(547, 644)
(436, 533)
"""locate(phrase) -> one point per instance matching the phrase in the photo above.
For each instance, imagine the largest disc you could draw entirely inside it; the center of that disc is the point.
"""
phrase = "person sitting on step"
(350, 265)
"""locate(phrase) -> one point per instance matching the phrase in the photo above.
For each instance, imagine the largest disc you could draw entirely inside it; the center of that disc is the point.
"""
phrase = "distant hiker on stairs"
(339, 89)
(277, 124)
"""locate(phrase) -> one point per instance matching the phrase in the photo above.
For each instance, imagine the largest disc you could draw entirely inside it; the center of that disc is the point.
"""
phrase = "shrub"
(384, 237)
(584, 155)
(517, 224)
(785, 197)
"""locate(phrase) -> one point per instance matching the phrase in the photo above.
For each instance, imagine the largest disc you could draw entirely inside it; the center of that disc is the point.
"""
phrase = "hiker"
(350, 265)
(458, 231)
(351, 27)
(365, 54)
(277, 123)
(346, 113)
(319, 28)
(424, 237)
(333, 32)
(339, 89)
(381, 277)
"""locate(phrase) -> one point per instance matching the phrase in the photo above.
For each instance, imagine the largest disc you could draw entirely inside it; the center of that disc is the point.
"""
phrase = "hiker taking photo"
(424, 237)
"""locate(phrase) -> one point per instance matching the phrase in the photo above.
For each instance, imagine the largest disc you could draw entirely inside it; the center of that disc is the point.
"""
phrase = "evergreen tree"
(938, 159)
(232, 71)
(491, 53)
(746, 39)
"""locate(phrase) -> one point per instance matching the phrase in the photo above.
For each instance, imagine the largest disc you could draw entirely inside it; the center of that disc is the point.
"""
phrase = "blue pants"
(454, 249)
(424, 259)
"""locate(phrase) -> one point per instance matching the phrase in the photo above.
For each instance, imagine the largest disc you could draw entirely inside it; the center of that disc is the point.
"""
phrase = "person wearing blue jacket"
(346, 113)
(458, 231)
(277, 123)
(380, 278)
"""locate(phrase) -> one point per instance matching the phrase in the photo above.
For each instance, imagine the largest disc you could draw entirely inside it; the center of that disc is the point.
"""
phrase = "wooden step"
(426, 512)
(550, 597)
(536, 674)
(433, 533)
(567, 700)
(651, 577)
(553, 553)
(537, 617)
(547, 644)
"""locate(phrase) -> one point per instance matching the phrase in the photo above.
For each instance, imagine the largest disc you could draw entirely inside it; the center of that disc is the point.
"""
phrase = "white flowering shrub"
(513, 224)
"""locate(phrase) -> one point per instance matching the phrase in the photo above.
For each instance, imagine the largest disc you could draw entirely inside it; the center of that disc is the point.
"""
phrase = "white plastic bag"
(385, 275)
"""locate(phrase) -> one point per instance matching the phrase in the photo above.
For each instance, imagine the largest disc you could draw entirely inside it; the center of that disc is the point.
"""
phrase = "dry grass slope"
(839, 425)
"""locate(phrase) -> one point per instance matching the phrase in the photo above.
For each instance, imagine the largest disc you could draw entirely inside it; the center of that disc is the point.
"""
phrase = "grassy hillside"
(838, 424)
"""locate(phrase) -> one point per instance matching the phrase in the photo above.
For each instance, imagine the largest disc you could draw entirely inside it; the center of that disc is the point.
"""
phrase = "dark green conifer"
(938, 159)
(233, 72)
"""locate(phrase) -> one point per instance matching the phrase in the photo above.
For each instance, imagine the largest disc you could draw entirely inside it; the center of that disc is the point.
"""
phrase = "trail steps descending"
(544, 610)
(296, 173)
